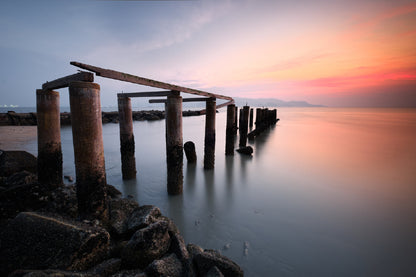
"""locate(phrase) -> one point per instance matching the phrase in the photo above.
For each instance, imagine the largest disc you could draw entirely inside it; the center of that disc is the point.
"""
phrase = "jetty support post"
(88, 150)
(229, 133)
(128, 160)
(236, 120)
(244, 113)
(174, 143)
(209, 146)
(251, 118)
(49, 165)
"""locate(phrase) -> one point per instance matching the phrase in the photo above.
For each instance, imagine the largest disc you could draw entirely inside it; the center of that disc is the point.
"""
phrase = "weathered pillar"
(49, 165)
(128, 160)
(236, 120)
(229, 133)
(174, 144)
(251, 118)
(258, 117)
(244, 125)
(88, 149)
(209, 147)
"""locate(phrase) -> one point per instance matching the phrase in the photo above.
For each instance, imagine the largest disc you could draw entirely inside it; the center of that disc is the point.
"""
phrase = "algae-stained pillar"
(229, 133)
(251, 118)
(49, 165)
(128, 160)
(236, 120)
(88, 149)
(174, 143)
(209, 146)
(244, 113)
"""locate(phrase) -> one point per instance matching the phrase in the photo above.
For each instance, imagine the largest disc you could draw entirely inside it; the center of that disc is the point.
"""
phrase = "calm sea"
(327, 192)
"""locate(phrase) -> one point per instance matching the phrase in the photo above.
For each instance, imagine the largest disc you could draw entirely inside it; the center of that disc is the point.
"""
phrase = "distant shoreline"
(12, 118)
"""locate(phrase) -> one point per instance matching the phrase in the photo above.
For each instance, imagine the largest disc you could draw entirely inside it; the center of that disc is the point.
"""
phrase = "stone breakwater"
(29, 119)
(41, 235)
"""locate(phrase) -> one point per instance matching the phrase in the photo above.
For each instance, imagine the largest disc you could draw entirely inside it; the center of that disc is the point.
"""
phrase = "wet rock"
(210, 258)
(15, 161)
(178, 246)
(37, 241)
(172, 228)
(189, 148)
(142, 217)
(146, 245)
(130, 273)
(69, 178)
(106, 268)
(113, 192)
(120, 211)
(214, 272)
(167, 266)
(194, 250)
(49, 273)
(247, 150)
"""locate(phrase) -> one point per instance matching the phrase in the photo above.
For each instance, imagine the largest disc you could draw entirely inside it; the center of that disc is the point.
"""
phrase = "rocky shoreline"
(12, 118)
(41, 234)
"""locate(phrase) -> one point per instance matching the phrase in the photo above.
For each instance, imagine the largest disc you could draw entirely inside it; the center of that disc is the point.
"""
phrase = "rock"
(194, 250)
(167, 266)
(146, 245)
(120, 210)
(20, 178)
(247, 150)
(178, 246)
(16, 161)
(106, 268)
(142, 217)
(130, 273)
(69, 178)
(37, 241)
(210, 258)
(49, 273)
(63, 201)
(214, 272)
(172, 228)
(113, 192)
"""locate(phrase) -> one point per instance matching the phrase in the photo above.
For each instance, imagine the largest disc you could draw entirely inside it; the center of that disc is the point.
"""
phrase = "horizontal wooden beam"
(145, 94)
(200, 99)
(219, 106)
(64, 81)
(116, 75)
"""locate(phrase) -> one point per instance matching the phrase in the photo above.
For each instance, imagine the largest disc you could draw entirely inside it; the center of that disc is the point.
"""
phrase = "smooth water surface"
(328, 192)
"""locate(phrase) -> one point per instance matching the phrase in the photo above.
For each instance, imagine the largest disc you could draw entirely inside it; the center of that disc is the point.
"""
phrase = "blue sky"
(337, 53)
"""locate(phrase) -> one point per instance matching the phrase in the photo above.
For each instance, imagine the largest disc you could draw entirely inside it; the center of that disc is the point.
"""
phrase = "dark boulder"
(130, 273)
(247, 150)
(210, 258)
(142, 217)
(16, 161)
(106, 268)
(167, 266)
(37, 241)
(214, 272)
(146, 245)
(49, 273)
(120, 211)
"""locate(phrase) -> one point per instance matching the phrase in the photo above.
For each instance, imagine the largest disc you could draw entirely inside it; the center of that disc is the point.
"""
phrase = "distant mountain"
(271, 102)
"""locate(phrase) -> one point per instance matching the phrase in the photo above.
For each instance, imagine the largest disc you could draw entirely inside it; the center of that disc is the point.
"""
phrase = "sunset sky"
(329, 52)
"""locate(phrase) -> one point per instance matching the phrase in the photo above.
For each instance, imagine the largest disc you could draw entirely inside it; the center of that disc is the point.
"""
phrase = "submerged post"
(88, 149)
(128, 161)
(49, 165)
(244, 125)
(209, 148)
(230, 134)
(174, 143)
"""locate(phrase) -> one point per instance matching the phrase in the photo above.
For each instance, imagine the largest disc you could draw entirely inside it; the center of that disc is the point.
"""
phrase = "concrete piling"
(229, 133)
(236, 120)
(128, 160)
(174, 144)
(209, 146)
(244, 113)
(49, 165)
(88, 150)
